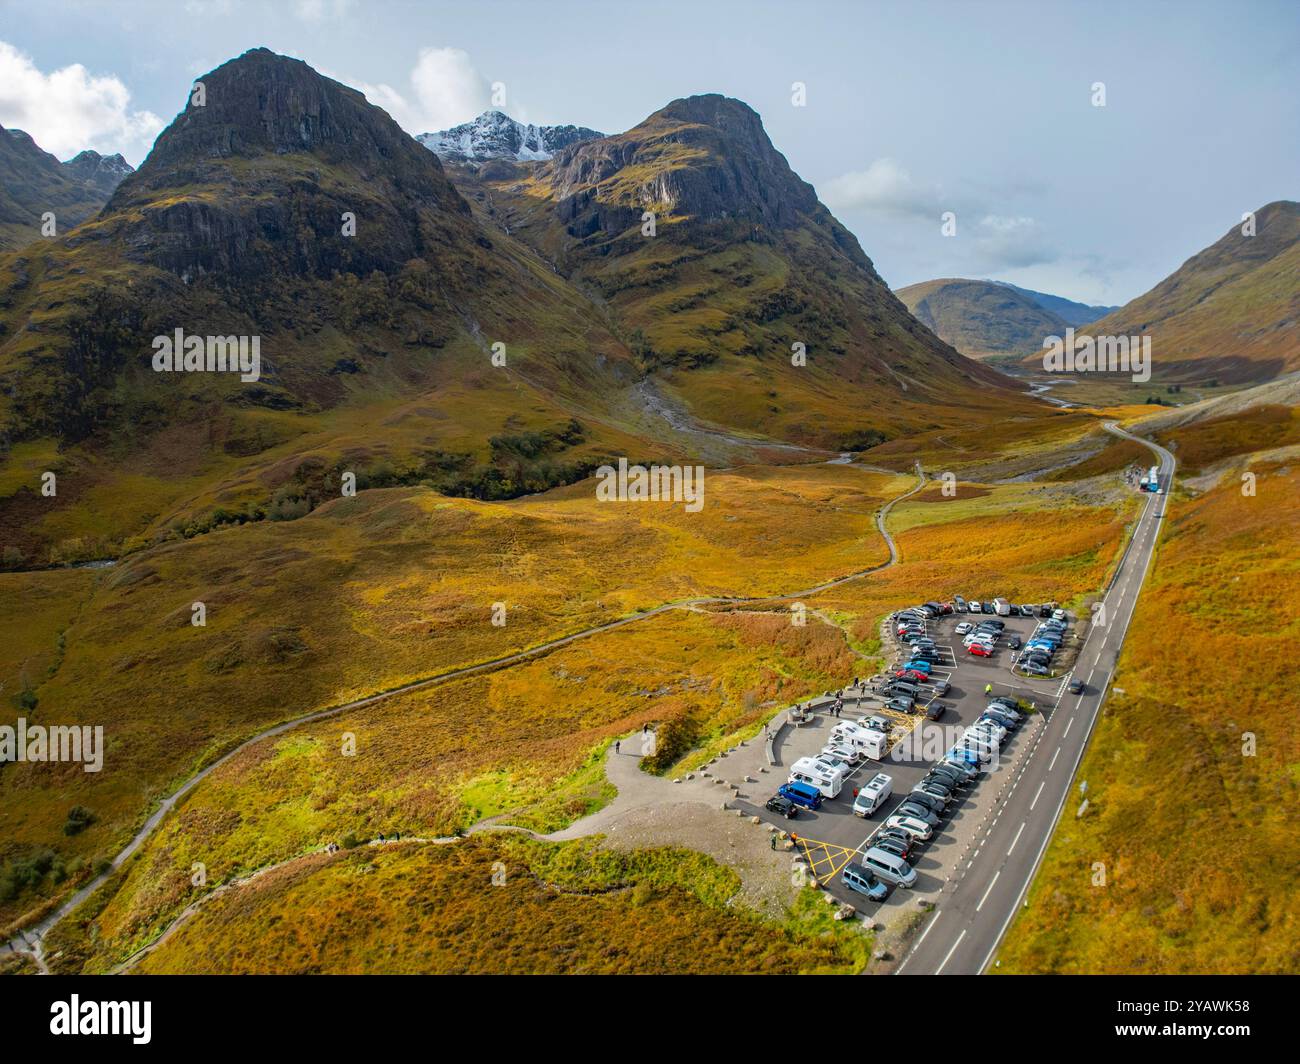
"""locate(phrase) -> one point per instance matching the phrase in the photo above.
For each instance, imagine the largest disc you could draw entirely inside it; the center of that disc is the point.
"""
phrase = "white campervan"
(1001, 607)
(869, 742)
(872, 796)
(814, 773)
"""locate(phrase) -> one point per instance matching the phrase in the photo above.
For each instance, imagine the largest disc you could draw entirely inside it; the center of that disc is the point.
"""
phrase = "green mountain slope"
(1230, 313)
(982, 318)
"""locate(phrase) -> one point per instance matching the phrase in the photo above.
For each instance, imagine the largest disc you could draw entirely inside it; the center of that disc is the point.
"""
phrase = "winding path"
(30, 939)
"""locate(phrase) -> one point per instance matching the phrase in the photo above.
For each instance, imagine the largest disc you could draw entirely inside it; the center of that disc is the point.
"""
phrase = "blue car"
(855, 877)
(801, 794)
(918, 665)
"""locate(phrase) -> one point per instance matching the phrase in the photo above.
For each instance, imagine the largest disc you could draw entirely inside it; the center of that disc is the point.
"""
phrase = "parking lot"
(832, 836)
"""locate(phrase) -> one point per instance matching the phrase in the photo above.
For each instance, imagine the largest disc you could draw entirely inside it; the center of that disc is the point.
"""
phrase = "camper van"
(813, 773)
(872, 796)
(867, 741)
(1002, 607)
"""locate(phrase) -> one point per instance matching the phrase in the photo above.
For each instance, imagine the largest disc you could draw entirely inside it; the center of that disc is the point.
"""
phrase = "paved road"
(973, 912)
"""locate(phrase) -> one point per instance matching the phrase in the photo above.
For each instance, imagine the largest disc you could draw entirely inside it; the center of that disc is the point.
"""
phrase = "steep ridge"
(33, 182)
(286, 208)
(744, 263)
(1231, 313)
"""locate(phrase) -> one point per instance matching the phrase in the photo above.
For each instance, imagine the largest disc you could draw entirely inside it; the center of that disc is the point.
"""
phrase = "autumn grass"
(572, 909)
(1192, 772)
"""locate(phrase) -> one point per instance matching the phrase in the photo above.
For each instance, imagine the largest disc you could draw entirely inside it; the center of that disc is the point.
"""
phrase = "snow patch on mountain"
(493, 135)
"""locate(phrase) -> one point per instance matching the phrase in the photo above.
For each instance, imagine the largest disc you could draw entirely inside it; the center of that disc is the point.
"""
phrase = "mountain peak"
(493, 135)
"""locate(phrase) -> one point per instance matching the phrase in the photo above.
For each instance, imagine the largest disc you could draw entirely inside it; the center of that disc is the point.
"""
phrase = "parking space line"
(951, 952)
(989, 891)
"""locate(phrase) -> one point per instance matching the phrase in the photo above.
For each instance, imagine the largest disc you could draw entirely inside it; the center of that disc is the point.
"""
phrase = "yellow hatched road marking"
(825, 855)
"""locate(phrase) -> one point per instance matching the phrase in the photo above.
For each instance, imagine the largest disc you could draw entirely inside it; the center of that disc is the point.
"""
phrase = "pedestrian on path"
(772, 838)
(617, 745)
(988, 688)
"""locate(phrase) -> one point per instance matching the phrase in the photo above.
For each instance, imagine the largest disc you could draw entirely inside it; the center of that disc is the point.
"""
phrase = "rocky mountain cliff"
(738, 290)
(33, 182)
(494, 135)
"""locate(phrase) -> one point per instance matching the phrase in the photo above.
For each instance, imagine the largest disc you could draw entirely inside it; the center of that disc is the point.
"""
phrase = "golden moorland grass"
(366, 594)
(527, 740)
(574, 909)
(1194, 770)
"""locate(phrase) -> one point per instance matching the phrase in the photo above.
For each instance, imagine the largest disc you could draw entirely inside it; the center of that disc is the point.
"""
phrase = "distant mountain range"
(493, 135)
(1230, 313)
(986, 319)
(33, 182)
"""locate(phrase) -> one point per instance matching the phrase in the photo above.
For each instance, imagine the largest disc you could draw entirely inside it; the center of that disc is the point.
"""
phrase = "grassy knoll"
(573, 909)
(1198, 840)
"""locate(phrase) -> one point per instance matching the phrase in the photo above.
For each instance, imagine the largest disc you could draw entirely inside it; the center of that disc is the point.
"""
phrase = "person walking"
(772, 839)
(617, 745)
(988, 688)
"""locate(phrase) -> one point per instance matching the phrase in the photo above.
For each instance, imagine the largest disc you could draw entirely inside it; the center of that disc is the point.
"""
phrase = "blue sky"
(982, 109)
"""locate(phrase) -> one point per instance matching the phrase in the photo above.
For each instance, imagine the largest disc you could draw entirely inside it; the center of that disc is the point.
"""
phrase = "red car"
(980, 650)
(911, 674)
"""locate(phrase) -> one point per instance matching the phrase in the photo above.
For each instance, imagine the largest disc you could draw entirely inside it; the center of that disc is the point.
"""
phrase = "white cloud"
(884, 187)
(444, 89)
(1006, 243)
(71, 109)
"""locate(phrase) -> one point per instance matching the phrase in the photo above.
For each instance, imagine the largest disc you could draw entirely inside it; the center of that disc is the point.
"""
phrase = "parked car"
(940, 687)
(919, 664)
(935, 710)
(895, 845)
(860, 879)
(1045, 610)
(963, 628)
(916, 828)
(841, 752)
(975, 607)
(919, 811)
(959, 603)
(1001, 718)
(1014, 642)
(782, 807)
(980, 650)
(946, 607)
(915, 675)
(1077, 687)
(942, 770)
(932, 803)
(979, 637)
(989, 607)
(877, 723)
(1034, 669)
(901, 705)
(1058, 615)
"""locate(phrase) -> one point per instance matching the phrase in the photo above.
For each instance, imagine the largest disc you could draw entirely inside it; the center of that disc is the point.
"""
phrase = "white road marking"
(989, 891)
(928, 928)
(950, 952)
(1016, 839)
(1036, 794)
(1054, 757)
(1068, 725)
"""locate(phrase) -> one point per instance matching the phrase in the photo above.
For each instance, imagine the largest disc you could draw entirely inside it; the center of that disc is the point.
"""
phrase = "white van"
(1002, 607)
(888, 867)
(873, 795)
(867, 741)
(817, 774)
